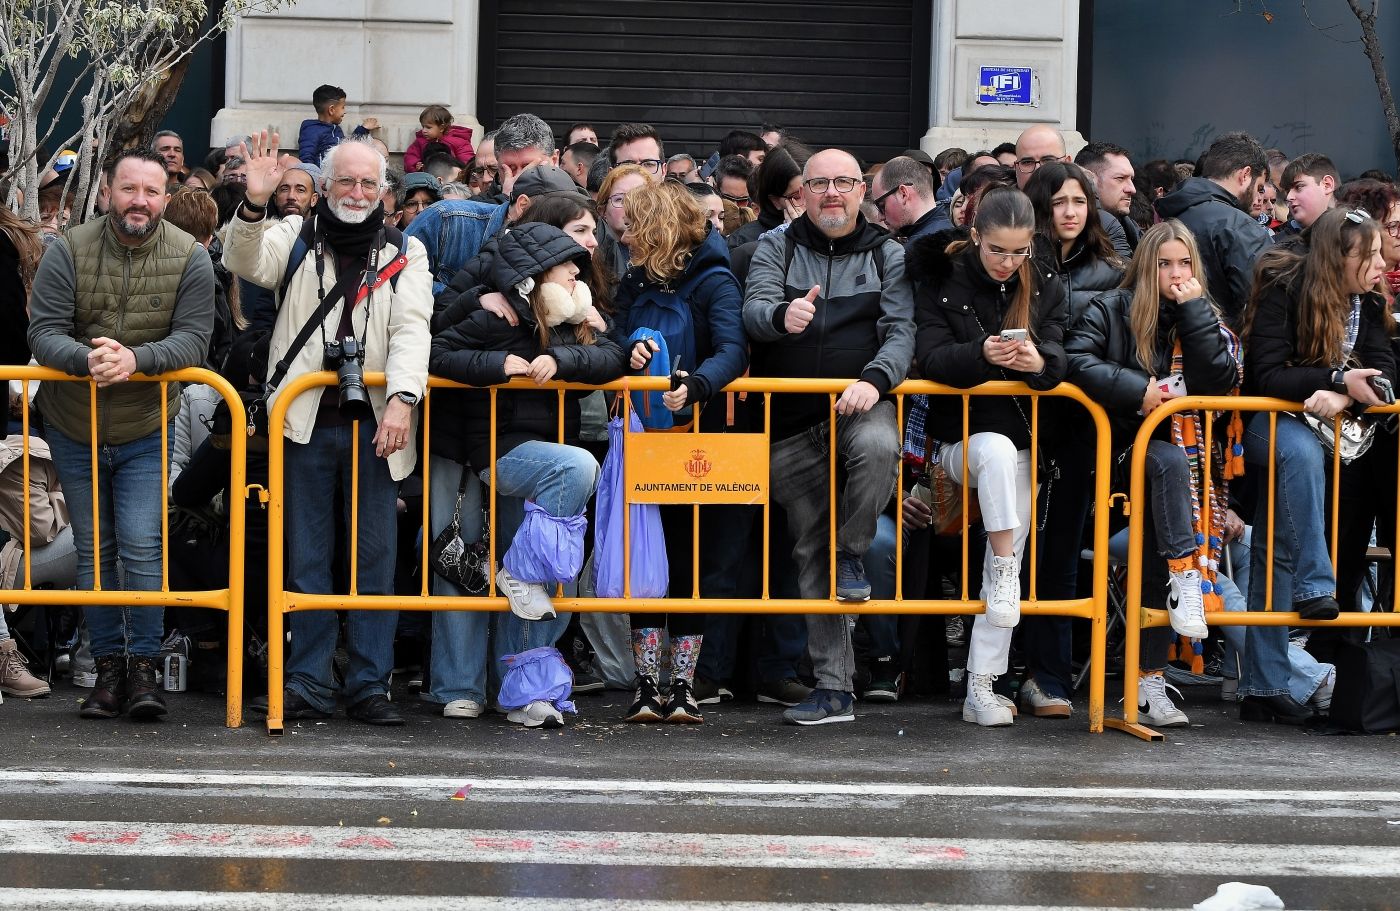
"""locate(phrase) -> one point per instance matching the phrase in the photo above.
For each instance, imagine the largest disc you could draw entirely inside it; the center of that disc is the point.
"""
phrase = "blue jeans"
(459, 637)
(881, 630)
(129, 514)
(559, 479)
(1302, 566)
(316, 471)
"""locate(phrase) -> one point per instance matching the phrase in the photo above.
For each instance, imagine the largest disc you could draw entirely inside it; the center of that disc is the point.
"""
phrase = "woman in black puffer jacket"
(1126, 352)
(974, 299)
(1071, 243)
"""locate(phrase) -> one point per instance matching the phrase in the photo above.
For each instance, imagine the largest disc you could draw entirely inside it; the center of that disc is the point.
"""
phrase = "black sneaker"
(143, 700)
(376, 710)
(708, 692)
(1324, 607)
(105, 700)
(585, 681)
(787, 692)
(647, 706)
(294, 707)
(885, 680)
(680, 705)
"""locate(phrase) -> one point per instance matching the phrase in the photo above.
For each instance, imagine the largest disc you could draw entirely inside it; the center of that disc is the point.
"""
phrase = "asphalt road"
(905, 807)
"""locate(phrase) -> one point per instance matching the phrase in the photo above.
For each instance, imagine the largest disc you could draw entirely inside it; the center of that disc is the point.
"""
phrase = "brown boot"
(105, 700)
(15, 678)
(143, 700)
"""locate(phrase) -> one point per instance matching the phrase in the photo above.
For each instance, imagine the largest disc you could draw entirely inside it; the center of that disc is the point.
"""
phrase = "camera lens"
(354, 397)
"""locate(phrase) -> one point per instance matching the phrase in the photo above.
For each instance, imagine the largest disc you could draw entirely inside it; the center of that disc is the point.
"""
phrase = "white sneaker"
(1184, 604)
(528, 600)
(1041, 703)
(982, 705)
(1004, 597)
(538, 714)
(1322, 699)
(462, 708)
(1158, 710)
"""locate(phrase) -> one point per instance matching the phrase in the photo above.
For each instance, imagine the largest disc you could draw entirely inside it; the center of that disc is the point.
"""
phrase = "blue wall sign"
(1004, 85)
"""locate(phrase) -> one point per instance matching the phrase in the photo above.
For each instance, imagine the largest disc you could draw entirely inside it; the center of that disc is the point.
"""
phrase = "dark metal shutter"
(832, 72)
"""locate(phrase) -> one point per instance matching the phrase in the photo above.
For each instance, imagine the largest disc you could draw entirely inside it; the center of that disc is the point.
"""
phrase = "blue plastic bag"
(651, 573)
(537, 675)
(654, 413)
(546, 548)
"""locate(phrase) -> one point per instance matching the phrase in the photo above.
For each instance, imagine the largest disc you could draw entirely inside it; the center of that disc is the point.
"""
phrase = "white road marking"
(343, 843)
(446, 786)
(141, 900)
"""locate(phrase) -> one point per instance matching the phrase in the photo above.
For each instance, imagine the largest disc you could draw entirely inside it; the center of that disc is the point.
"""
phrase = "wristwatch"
(1339, 381)
(407, 398)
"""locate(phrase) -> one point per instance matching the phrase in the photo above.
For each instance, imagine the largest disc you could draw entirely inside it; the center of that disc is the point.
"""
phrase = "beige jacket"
(48, 512)
(398, 339)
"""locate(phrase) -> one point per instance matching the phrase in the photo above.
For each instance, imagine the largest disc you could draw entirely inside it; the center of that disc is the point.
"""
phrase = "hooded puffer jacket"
(1230, 240)
(474, 351)
(957, 307)
(1084, 275)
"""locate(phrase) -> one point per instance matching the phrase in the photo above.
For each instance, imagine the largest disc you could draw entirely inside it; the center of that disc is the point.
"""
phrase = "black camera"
(347, 358)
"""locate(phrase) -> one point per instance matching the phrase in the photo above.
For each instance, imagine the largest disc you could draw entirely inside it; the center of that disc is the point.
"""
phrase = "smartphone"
(1382, 388)
(1174, 385)
(1014, 335)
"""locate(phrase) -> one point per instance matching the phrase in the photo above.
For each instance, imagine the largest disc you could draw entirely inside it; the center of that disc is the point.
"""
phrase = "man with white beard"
(363, 301)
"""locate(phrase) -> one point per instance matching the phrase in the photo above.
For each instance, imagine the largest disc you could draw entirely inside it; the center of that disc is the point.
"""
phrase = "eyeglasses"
(415, 205)
(1009, 256)
(484, 170)
(794, 198)
(1392, 228)
(737, 200)
(821, 184)
(649, 164)
(880, 200)
(1027, 165)
(346, 184)
(616, 200)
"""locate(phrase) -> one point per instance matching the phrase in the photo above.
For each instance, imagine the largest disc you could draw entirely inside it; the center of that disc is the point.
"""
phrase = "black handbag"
(1367, 693)
(462, 564)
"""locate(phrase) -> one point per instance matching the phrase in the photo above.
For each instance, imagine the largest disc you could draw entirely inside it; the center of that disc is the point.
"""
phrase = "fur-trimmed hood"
(926, 258)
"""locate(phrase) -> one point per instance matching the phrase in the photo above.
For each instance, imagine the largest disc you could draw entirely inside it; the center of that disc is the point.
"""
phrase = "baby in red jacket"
(436, 121)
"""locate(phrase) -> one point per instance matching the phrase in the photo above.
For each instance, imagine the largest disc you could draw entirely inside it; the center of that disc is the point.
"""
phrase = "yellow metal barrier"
(230, 599)
(281, 601)
(1140, 618)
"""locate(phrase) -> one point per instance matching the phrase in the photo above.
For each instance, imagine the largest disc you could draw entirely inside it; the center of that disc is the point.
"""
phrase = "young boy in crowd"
(437, 125)
(319, 136)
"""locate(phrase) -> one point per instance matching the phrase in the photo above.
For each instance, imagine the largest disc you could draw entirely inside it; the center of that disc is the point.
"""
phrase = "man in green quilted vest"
(123, 294)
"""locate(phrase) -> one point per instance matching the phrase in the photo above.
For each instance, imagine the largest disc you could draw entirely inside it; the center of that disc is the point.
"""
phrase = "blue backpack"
(651, 411)
(667, 312)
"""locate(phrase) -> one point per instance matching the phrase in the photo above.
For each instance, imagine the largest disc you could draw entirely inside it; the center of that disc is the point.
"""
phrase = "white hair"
(328, 168)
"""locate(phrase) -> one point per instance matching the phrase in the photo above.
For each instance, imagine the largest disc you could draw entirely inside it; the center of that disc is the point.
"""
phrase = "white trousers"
(1002, 475)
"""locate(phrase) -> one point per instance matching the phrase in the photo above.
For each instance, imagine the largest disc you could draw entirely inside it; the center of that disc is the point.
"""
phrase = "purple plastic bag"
(651, 573)
(546, 548)
(537, 675)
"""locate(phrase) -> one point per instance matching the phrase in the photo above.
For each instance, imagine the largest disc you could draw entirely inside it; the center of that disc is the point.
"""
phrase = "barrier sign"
(1005, 85)
(697, 468)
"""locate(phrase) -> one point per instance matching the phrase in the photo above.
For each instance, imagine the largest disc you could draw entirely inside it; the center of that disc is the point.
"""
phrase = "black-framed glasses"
(648, 164)
(483, 171)
(1028, 165)
(822, 184)
(883, 197)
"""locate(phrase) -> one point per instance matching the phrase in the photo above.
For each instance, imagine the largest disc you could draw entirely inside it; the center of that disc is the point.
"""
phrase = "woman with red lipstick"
(1316, 331)
(985, 312)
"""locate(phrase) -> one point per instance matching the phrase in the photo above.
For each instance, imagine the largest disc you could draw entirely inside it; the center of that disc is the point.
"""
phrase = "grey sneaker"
(851, 583)
(822, 707)
(783, 692)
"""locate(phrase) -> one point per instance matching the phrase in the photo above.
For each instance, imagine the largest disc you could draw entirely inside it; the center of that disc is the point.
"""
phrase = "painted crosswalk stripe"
(141, 900)
(290, 784)
(144, 839)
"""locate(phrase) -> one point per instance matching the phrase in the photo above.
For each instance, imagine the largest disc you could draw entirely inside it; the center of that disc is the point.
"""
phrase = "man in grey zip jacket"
(828, 298)
(122, 294)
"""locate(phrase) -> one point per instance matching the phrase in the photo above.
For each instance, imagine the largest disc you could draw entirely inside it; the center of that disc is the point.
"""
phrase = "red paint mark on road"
(185, 838)
(283, 841)
(942, 852)
(462, 792)
(366, 841)
(503, 844)
(776, 848)
(104, 838)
